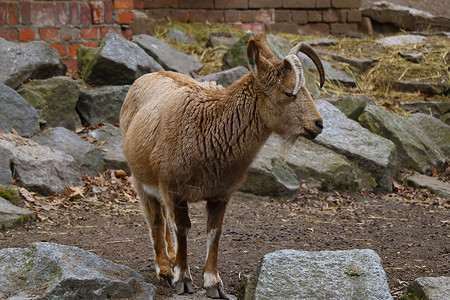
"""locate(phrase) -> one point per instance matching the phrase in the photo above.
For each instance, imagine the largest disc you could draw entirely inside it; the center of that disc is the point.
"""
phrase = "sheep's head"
(287, 106)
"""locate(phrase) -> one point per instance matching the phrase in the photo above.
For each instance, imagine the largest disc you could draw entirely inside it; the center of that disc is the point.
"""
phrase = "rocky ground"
(408, 229)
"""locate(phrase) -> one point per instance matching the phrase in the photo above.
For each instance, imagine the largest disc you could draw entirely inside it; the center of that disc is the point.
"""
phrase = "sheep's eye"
(290, 95)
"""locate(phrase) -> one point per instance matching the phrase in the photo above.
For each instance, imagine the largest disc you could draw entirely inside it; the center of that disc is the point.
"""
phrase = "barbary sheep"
(186, 141)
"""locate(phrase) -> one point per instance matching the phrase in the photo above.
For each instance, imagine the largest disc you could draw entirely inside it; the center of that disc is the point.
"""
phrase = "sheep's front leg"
(215, 213)
(182, 224)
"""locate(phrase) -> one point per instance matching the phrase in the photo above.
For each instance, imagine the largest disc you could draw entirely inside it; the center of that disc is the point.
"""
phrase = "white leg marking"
(209, 238)
(210, 279)
(151, 190)
(178, 275)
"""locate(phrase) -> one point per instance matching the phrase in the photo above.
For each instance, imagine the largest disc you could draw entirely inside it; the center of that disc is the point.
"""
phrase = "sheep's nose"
(319, 124)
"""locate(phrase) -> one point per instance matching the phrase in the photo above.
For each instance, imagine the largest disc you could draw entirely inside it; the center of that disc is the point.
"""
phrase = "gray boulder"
(5, 166)
(168, 57)
(292, 274)
(404, 39)
(16, 112)
(55, 99)
(359, 64)
(386, 12)
(101, 104)
(437, 109)
(308, 163)
(436, 130)
(436, 186)
(178, 36)
(115, 61)
(227, 77)
(12, 216)
(428, 288)
(40, 168)
(416, 150)
(52, 271)
(352, 107)
(109, 139)
(88, 157)
(413, 86)
(372, 153)
(222, 39)
(33, 60)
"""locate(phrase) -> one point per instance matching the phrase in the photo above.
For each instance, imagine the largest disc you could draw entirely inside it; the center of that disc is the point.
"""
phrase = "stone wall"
(66, 24)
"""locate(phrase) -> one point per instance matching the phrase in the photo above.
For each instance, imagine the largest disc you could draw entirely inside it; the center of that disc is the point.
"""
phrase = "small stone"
(178, 36)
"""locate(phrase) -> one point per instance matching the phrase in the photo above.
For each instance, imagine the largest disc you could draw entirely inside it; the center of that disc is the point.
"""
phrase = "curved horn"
(296, 66)
(309, 51)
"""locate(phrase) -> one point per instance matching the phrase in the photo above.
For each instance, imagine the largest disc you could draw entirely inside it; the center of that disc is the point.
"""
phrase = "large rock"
(55, 99)
(52, 271)
(5, 166)
(414, 86)
(385, 12)
(416, 150)
(227, 77)
(436, 130)
(88, 157)
(292, 274)
(404, 39)
(40, 168)
(168, 57)
(16, 112)
(109, 139)
(428, 288)
(34, 60)
(436, 186)
(372, 153)
(308, 163)
(178, 36)
(115, 61)
(352, 107)
(12, 216)
(436, 108)
(101, 104)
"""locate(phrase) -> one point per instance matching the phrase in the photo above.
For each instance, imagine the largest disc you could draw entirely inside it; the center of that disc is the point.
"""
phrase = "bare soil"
(409, 229)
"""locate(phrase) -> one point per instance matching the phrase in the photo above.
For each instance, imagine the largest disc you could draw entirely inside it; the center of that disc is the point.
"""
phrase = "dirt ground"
(435, 7)
(409, 229)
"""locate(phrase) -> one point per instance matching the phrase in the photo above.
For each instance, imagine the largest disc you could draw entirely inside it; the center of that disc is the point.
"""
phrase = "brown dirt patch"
(408, 229)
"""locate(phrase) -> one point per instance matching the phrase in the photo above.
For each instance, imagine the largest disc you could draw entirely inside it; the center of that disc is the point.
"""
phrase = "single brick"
(354, 15)
(323, 3)
(195, 4)
(344, 28)
(197, 15)
(138, 4)
(74, 13)
(285, 27)
(265, 3)
(159, 14)
(62, 15)
(334, 15)
(345, 3)
(71, 64)
(180, 15)
(314, 29)
(9, 34)
(299, 16)
(109, 11)
(314, 16)
(215, 16)
(127, 33)
(250, 27)
(50, 13)
(27, 34)
(161, 4)
(248, 16)
(98, 9)
(49, 34)
(69, 34)
(73, 50)
(230, 4)
(89, 33)
(123, 4)
(282, 15)
(43, 14)
(105, 30)
(125, 17)
(299, 3)
(25, 13)
(265, 16)
(13, 12)
(61, 48)
(232, 16)
(86, 15)
(3, 13)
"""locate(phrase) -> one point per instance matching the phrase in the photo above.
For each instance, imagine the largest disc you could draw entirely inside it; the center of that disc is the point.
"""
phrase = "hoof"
(183, 286)
(215, 292)
(168, 280)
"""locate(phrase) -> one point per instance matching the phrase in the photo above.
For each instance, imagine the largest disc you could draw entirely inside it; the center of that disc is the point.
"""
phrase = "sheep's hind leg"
(212, 282)
(155, 215)
(182, 225)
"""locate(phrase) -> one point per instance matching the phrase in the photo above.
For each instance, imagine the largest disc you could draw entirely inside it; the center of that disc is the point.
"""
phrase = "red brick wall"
(64, 24)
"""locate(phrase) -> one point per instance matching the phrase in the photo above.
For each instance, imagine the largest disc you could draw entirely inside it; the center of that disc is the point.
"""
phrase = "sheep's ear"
(253, 56)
